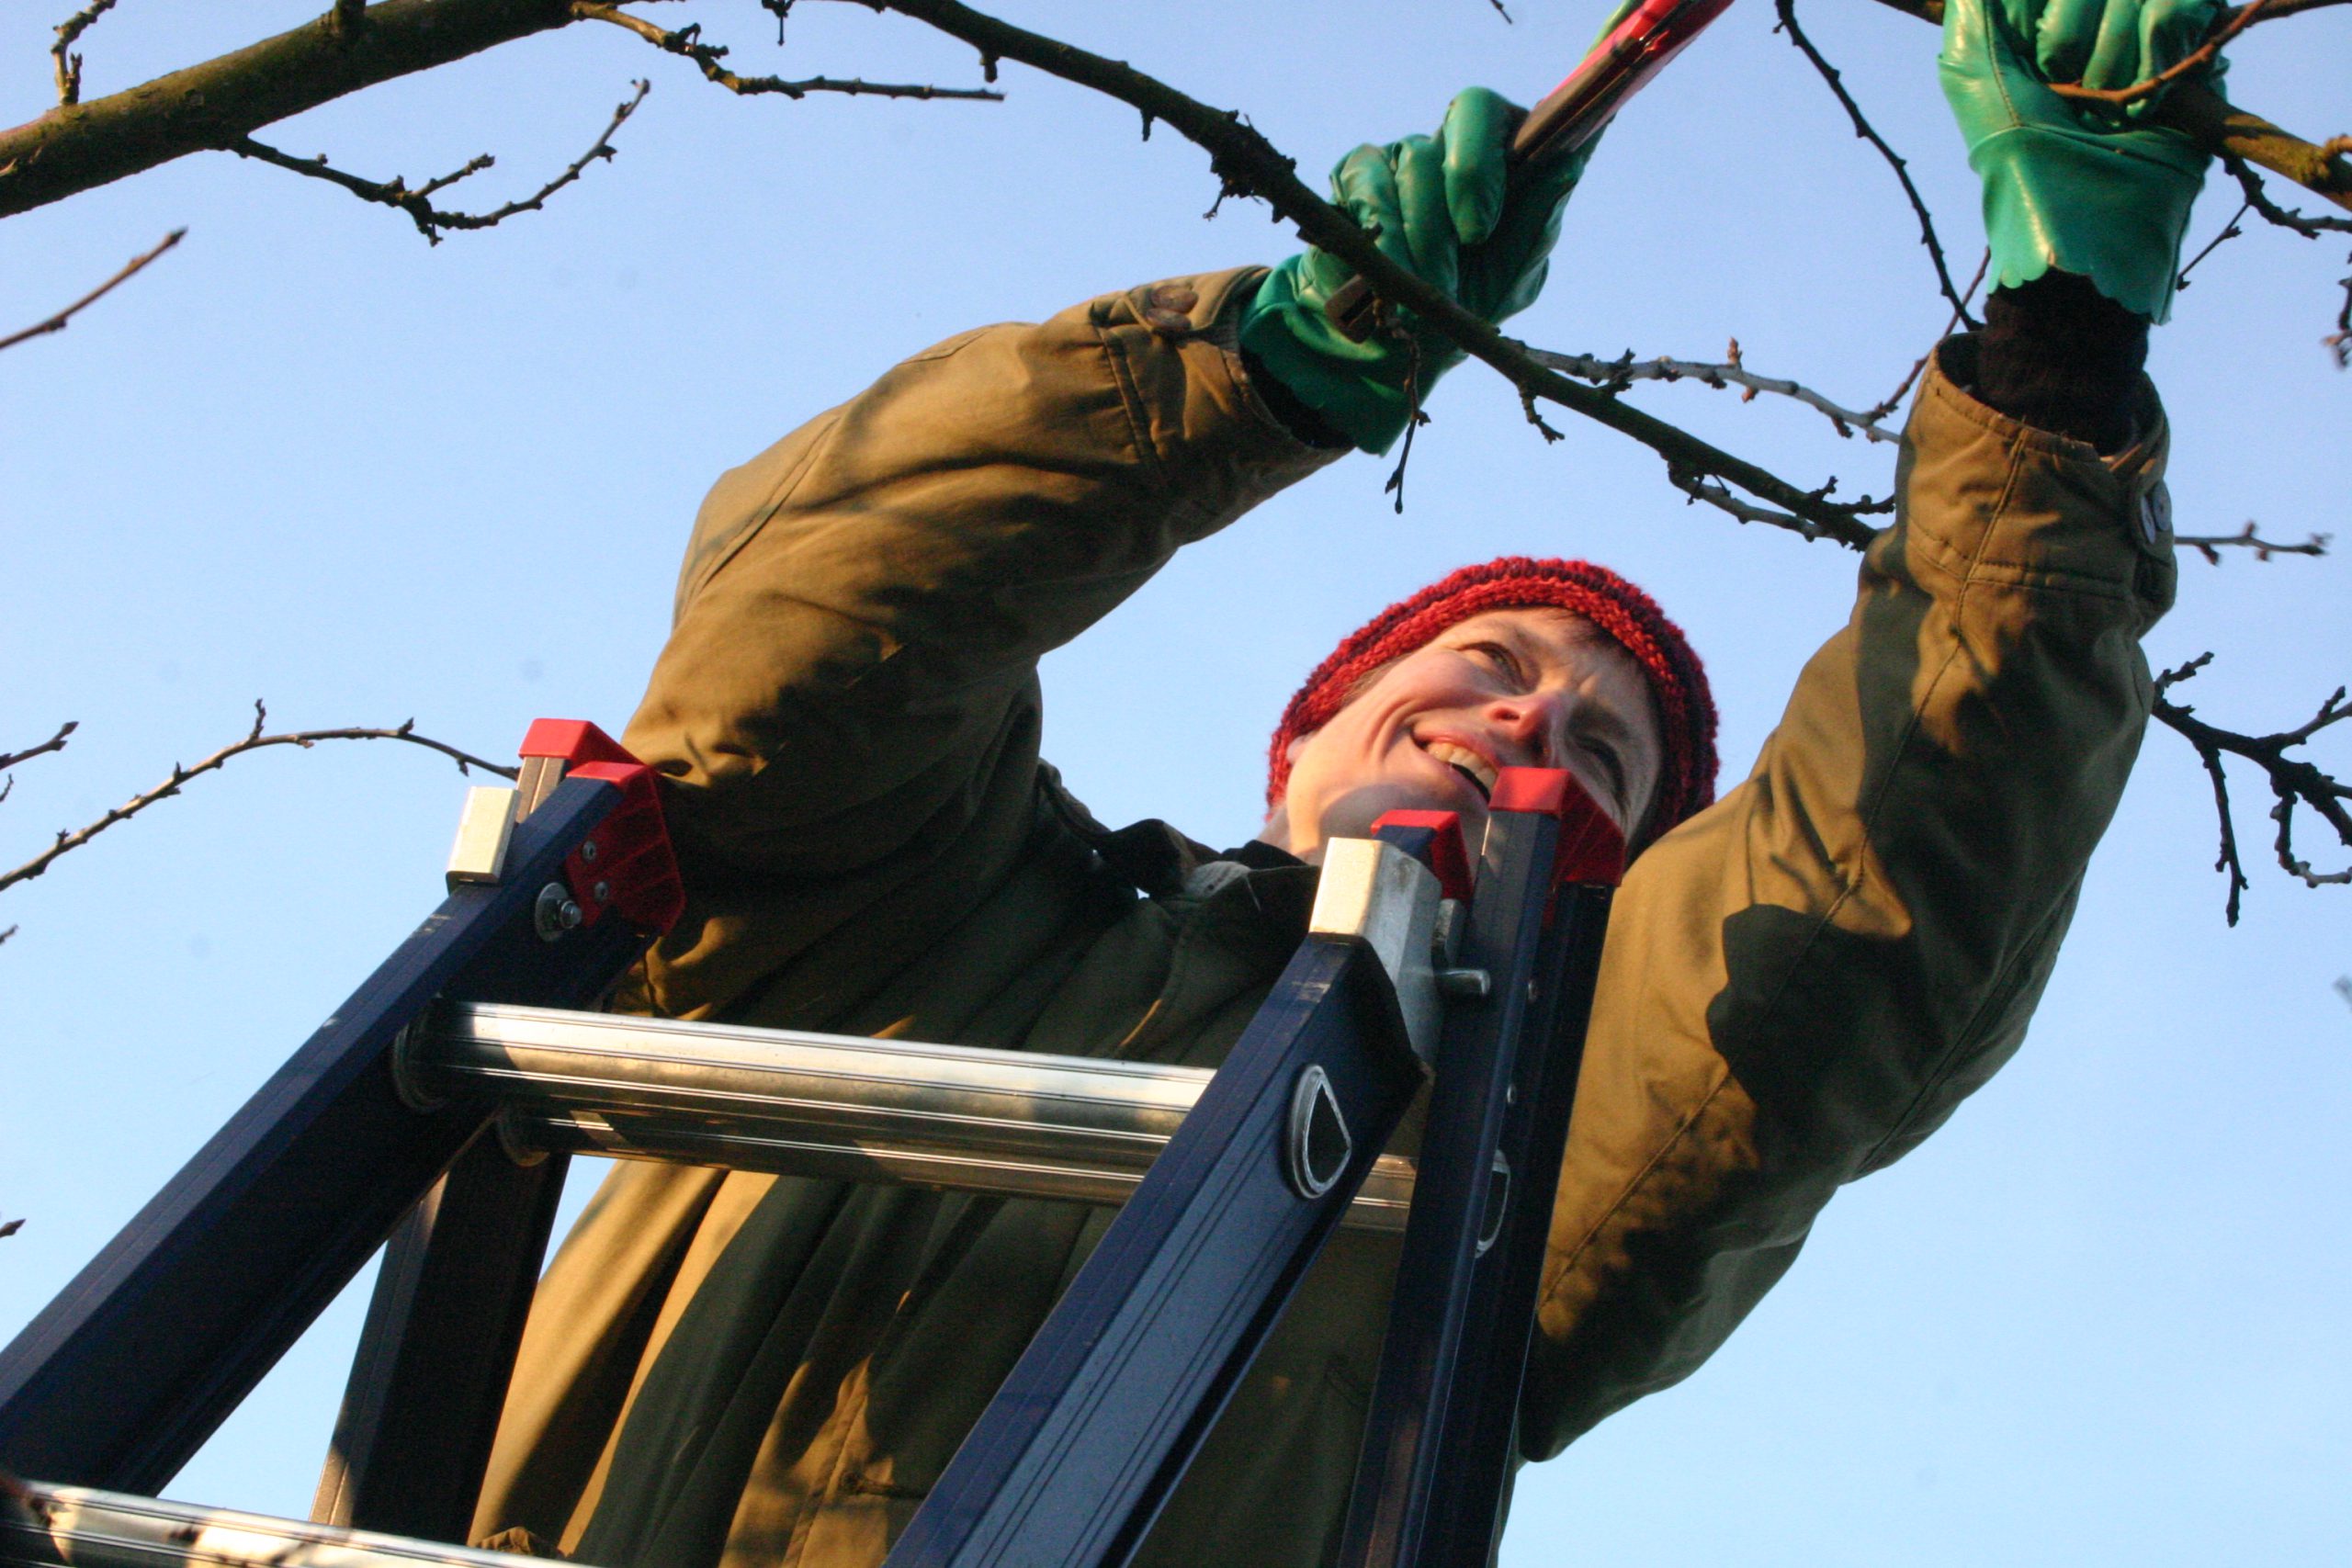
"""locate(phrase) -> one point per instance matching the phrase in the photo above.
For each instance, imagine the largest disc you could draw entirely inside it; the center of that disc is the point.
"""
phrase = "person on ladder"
(1803, 977)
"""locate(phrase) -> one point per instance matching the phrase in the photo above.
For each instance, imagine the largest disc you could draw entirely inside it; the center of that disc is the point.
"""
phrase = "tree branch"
(69, 64)
(1247, 164)
(1863, 128)
(429, 219)
(1893, 399)
(2258, 198)
(71, 840)
(57, 322)
(54, 743)
(687, 42)
(1615, 375)
(2210, 546)
(2294, 781)
(76, 147)
(2227, 25)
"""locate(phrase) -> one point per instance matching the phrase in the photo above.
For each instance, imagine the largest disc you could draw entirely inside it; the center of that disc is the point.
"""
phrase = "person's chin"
(1352, 815)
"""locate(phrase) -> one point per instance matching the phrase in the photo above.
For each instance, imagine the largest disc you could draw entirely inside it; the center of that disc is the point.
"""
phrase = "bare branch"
(1247, 164)
(69, 64)
(2294, 781)
(56, 323)
(429, 219)
(54, 743)
(1863, 128)
(2230, 230)
(687, 42)
(9, 1228)
(1893, 399)
(2280, 9)
(76, 147)
(1699, 488)
(2210, 546)
(2257, 197)
(2226, 27)
(1615, 375)
(73, 838)
(2339, 341)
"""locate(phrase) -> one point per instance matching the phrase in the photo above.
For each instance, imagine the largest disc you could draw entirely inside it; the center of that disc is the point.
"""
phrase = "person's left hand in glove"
(1443, 207)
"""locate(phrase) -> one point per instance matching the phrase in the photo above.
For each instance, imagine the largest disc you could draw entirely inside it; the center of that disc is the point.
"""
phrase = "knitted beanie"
(1619, 611)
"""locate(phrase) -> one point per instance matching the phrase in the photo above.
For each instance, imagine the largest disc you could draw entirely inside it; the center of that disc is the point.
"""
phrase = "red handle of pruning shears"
(1573, 112)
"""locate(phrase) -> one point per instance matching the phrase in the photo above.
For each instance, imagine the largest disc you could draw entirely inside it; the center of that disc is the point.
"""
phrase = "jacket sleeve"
(1802, 982)
(846, 710)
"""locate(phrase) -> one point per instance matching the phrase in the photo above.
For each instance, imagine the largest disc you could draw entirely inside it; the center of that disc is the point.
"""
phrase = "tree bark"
(76, 147)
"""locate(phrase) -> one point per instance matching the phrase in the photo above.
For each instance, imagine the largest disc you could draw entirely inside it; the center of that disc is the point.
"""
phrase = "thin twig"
(2226, 27)
(57, 323)
(54, 743)
(2339, 341)
(1863, 128)
(1614, 375)
(2280, 9)
(1245, 163)
(429, 219)
(69, 64)
(1903, 388)
(73, 838)
(2230, 230)
(2210, 546)
(2294, 781)
(687, 42)
(2258, 198)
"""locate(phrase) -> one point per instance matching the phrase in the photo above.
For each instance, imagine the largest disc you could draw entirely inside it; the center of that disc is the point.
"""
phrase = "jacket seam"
(1999, 990)
(1968, 586)
(1639, 1179)
(777, 499)
(1130, 402)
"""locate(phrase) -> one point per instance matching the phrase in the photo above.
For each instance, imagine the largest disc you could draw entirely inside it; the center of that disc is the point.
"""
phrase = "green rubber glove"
(2085, 188)
(1439, 207)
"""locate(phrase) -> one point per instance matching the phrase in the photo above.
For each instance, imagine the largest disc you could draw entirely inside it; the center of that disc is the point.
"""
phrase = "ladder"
(433, 1113)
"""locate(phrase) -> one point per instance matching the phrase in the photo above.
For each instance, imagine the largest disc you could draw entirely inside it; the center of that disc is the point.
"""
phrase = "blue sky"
(2098, 1318)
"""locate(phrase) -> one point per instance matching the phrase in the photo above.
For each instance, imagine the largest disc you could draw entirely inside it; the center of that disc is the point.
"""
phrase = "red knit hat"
(1621, 612)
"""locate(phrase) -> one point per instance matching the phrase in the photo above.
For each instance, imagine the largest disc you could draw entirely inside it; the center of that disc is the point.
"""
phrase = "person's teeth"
(1469, 762)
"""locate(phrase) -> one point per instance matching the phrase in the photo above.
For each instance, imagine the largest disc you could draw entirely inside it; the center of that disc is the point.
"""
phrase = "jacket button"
(2155, 514)
(1168, 324)
(1174, 297)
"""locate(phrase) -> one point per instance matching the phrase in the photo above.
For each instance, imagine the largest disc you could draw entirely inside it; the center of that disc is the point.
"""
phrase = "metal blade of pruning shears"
(1575, 112)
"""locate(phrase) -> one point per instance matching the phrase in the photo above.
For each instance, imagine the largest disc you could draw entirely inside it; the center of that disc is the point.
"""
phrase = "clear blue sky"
(2099, 1319)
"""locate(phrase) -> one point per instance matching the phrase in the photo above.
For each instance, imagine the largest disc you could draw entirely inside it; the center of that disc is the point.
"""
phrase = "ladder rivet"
(604, 891)
(588, 852)
(554, 913)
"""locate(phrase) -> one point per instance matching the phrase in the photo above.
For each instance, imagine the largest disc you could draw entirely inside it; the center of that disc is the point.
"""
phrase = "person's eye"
(1610, 764)
(1503, 660)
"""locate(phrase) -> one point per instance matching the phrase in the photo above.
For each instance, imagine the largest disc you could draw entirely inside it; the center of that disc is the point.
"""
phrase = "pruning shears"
(1576, 111)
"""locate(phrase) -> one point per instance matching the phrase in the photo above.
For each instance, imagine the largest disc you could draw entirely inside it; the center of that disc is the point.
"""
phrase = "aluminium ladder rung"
(1017, 1123)
(80, 1527)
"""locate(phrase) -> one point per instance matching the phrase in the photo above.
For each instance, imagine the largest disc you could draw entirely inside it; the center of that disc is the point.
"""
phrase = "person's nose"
(1532, 724)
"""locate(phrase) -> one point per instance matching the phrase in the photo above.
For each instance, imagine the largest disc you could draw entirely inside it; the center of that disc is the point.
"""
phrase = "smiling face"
(1532, 688)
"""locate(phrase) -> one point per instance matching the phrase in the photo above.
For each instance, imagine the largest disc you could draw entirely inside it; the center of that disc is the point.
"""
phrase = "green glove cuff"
(2109, 207)
(1358, 387)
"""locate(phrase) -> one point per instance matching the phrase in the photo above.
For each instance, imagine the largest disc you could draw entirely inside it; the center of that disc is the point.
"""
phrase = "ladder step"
(83, 1527)
(1017, 1123)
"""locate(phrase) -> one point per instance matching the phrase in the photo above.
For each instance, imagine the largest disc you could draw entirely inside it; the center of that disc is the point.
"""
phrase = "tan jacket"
(1800, 983)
